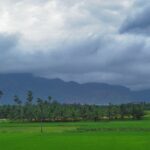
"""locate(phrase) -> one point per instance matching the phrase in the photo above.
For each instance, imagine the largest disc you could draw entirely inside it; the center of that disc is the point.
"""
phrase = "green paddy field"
(115, 135)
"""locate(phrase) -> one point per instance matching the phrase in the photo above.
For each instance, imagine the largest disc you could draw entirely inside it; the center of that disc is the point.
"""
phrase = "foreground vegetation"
(114, 135)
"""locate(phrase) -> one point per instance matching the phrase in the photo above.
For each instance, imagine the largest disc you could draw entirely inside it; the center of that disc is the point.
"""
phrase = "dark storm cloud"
(138, 21)
(7, 42)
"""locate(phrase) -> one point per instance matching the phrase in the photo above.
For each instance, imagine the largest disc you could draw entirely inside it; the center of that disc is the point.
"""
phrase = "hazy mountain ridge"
(68, 92)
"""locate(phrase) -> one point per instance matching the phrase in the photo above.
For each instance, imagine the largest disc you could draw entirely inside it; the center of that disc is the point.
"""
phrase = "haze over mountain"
(67, 92)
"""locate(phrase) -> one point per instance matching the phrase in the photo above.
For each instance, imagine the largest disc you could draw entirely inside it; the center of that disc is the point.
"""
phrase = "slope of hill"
(67, 92)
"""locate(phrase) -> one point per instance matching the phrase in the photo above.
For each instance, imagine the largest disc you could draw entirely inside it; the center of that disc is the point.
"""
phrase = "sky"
(84, 41)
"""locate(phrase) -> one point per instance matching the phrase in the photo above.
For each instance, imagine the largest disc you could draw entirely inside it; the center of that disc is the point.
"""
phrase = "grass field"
(117, 135)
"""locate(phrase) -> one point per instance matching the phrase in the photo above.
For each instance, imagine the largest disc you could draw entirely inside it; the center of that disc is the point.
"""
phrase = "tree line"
(46, 110)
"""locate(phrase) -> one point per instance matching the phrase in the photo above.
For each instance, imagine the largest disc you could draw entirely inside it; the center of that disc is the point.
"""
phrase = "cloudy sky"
(85, 41)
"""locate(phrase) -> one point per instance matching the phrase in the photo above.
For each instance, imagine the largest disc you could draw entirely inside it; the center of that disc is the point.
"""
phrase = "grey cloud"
(138, 21)
(8, 45)
(92, 59)
(120, 62)
(7, 42)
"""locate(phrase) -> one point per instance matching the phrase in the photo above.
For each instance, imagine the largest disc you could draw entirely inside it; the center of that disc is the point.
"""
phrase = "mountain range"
(67, 92)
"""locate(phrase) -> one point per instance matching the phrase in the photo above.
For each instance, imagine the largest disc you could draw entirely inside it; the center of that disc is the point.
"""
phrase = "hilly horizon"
(67, 92)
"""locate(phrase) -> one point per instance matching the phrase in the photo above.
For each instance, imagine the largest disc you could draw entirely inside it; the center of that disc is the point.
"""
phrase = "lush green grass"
(116, 135)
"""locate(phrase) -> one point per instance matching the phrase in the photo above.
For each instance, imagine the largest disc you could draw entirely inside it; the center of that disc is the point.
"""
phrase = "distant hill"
(67, 92)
